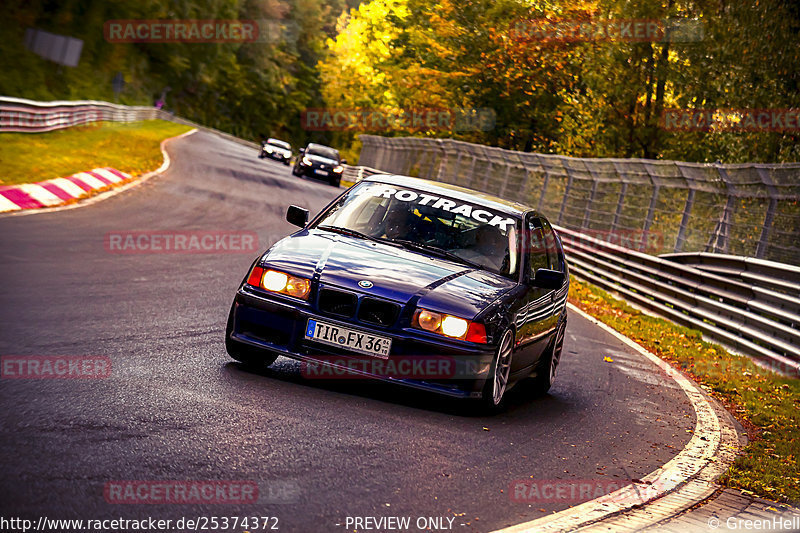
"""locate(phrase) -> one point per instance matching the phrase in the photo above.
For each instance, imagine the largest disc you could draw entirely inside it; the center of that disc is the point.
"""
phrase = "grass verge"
(768, 405)
(129, 147)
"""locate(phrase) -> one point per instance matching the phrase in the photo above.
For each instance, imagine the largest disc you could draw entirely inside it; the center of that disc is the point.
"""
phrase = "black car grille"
(378, 312)
(370, 311)
(337, 302)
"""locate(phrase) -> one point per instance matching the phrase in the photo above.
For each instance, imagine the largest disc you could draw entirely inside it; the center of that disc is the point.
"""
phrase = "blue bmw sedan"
(414, 282)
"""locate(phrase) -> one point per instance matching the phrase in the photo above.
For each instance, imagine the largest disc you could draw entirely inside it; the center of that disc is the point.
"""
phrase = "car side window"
(551, 246)
(537, 248)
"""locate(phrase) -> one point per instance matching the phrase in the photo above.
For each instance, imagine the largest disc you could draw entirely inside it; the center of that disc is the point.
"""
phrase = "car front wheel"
(494, 391)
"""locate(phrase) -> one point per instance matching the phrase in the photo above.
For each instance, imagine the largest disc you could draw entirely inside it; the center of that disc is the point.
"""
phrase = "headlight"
(454, 327)
(269, 150)
(338, 169)
(279, 282)
(306, 161)
(449, 326)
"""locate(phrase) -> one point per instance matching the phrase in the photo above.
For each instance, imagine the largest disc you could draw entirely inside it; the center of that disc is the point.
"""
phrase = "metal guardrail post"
(719, 241)
(457, 167)
(621, 199)
(592, 196)
(651, 210)
(440, 174)
(540, 205)
(488, 171)
(506, 165)
(567, 190)
(472, 170)
(687, 211)
(763, 241)
(680, 240)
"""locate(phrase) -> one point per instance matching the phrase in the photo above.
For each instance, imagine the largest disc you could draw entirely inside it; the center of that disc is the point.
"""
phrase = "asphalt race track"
(177, 408)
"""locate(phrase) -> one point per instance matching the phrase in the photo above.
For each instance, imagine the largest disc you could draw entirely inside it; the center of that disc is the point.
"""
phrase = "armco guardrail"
(354, 173)
(28, 116)
(750, 210)
(756, 272)
(756, 311)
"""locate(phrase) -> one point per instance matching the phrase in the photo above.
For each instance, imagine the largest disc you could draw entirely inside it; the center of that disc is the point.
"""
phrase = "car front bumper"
(325, 173)
(278, 327)
(274, 155)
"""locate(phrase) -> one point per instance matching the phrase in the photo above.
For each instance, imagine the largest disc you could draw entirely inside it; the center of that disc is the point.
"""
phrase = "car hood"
(320, 159)
(395, 273)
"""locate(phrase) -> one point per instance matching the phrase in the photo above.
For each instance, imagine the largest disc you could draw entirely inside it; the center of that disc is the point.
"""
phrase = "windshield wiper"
(350, 232)
(421, 247)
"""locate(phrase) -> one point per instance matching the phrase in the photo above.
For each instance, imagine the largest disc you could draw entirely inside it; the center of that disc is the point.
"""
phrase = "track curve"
(177, 408)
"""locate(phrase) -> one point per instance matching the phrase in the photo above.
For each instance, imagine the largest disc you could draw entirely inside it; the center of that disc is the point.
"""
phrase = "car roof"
(453, 191)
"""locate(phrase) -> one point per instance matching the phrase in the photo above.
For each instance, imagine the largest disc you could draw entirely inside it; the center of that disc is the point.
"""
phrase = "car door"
(555, 257)
(534, 320)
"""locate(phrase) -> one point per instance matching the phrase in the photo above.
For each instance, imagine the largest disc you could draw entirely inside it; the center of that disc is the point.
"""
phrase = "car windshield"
(322, 151)
(466, 232)
(279, 144)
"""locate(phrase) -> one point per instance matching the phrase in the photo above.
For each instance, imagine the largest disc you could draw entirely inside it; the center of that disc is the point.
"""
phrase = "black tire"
(296, 171)
(548, 364)
(286, 162)
(248, 355)
(494, 391)
(335, 181)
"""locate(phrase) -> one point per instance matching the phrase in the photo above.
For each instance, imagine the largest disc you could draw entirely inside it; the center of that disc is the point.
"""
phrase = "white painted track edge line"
(686, 465)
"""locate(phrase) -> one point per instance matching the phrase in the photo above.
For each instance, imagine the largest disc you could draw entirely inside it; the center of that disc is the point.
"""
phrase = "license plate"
(353, 340)
(321, 172)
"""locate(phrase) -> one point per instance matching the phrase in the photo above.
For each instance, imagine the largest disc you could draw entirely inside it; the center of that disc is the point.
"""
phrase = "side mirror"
(301, 151)
(343, 162)
(297, 216)
(548, 279)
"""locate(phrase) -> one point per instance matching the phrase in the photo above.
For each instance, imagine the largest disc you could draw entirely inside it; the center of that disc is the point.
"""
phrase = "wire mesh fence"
(655, 206)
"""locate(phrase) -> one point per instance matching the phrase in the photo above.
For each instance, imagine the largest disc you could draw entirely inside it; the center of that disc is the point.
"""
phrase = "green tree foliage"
(248, 89)
(598, 98)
